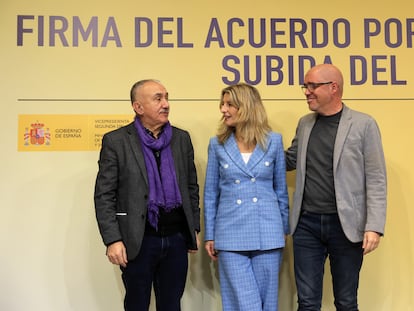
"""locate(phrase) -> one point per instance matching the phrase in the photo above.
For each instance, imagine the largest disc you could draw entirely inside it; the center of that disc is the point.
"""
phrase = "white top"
(246, 156)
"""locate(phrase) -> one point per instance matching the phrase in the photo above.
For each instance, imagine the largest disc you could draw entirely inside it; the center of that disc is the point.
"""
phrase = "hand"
(116, 253)
(370, 242)
(209, 246)
(193, 251)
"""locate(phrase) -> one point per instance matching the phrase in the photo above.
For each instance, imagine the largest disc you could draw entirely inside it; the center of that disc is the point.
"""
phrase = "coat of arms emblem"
(37, 135)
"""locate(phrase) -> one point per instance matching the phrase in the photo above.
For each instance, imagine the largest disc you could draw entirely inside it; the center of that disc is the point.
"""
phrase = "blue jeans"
(316, 237)
(162, 262)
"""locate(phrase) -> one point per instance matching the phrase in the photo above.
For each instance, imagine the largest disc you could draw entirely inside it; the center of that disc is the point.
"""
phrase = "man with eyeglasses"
(339, 204)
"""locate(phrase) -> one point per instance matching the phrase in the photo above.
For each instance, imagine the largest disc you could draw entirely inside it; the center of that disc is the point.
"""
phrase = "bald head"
(328, 72)
(323, 89)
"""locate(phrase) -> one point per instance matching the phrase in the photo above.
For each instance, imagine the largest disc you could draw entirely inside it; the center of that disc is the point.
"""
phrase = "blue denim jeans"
(316, 237)
(162, 263)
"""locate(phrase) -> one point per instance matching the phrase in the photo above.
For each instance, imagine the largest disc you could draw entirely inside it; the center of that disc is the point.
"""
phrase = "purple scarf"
(163, 190)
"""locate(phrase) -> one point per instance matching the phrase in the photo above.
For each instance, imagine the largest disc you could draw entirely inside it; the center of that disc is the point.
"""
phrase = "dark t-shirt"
(319, 192)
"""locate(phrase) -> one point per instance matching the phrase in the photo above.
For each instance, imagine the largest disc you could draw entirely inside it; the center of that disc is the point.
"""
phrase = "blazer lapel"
(343, 129)
(257, 155)
(307, 128)
(232, 150)
(135, 143)
(175, 149)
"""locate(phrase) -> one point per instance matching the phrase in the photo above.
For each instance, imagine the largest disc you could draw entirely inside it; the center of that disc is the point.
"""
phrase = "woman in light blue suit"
(246, 202)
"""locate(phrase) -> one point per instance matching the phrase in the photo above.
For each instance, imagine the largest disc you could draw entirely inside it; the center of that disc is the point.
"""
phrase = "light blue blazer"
(246, 205)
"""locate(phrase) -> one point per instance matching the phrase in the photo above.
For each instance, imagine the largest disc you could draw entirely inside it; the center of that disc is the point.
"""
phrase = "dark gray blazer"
(359, 173)
(121, 189)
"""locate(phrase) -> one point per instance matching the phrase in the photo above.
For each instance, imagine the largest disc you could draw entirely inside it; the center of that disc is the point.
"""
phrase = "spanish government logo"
(37, 135)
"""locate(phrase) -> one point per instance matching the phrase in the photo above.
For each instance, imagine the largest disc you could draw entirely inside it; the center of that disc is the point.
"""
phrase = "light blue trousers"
(249, 280)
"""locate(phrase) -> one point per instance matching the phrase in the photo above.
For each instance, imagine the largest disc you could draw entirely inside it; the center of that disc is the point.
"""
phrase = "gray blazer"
(121, 189)
(359, 173)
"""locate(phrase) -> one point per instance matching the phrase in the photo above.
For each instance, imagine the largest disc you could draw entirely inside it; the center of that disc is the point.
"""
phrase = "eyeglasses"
(312, 86)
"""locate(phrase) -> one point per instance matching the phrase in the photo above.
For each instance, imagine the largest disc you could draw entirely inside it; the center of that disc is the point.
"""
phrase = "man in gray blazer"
(339, 203)
(147, 201)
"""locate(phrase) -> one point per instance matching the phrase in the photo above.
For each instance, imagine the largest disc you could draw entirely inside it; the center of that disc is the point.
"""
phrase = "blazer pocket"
(123, 224)
(360, 210)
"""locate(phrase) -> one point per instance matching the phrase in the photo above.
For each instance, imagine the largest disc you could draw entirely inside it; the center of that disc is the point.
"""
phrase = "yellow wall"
(52, 256)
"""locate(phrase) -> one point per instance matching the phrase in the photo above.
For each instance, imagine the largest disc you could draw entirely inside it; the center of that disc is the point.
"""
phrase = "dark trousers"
(316, 237)
(162, 263)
